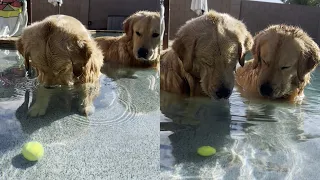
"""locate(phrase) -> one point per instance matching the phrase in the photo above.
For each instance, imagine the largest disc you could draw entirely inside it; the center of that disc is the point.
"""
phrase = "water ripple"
(118, 110)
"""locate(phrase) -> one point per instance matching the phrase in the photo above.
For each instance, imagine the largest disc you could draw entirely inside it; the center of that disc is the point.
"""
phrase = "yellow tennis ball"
(206, 151)
(32, 151)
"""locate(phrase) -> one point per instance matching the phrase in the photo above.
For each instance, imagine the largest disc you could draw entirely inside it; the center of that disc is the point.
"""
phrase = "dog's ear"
(256, 50)
(185, 51)
(128, 24)
(308, 61)
(244, 43)
(85, 49)
(241, 54)
(244, 49)
(85, 52)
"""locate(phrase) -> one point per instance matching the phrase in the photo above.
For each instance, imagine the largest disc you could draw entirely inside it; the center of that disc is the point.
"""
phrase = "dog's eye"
(284, 67)
(155, 35)
(264, 62)
(138, 33)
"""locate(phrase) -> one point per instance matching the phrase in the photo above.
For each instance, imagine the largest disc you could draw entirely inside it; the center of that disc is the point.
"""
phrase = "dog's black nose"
(223, 93)
(266, 89)
(142, 53)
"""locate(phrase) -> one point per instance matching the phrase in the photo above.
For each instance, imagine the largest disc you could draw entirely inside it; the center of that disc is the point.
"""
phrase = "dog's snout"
(266, 89)
(143, 53)
(223, 93)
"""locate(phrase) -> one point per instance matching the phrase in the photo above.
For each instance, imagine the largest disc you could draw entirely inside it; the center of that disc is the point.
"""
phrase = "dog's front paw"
(87, 110)
(37, 110)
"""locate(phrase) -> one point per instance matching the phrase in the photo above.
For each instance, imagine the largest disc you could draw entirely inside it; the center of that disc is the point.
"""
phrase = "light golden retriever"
(63, 52)
(139, 46)
(204, 55)
(284, 56)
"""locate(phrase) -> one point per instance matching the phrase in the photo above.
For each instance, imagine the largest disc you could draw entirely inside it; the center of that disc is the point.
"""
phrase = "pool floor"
(254, 139)
(116, 142)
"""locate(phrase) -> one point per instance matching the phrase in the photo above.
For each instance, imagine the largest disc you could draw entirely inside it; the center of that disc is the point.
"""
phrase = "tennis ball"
(206, 151)
(32, 151)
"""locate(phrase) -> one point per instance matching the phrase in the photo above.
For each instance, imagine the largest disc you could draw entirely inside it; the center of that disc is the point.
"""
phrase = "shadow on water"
(194, 123)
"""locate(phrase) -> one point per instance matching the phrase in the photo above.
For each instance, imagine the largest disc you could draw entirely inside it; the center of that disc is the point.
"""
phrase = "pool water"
(119, 141)
(254, 138)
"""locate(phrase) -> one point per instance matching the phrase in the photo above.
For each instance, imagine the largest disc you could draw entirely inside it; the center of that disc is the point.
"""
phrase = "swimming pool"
(119, 141)
(254, 139)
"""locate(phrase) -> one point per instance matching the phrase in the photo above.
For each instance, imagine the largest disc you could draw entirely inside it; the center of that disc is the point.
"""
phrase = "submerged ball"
(32, 151)
(206, 151)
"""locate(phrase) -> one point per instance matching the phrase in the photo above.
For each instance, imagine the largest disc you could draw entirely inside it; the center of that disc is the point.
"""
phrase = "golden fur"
(63, 52)
(142, 30)
(204, 55)
(283, 58)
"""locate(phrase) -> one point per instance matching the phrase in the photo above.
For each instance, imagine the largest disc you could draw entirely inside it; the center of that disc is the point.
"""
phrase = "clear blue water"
(254, 139)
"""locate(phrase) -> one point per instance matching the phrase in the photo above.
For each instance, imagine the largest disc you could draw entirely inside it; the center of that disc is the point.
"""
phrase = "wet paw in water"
(37, 110)
(87, 110)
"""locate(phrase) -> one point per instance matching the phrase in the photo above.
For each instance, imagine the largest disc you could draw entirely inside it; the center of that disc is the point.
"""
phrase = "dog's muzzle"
(51, 87)
(223, 93)
(266, 90)
(143, 53)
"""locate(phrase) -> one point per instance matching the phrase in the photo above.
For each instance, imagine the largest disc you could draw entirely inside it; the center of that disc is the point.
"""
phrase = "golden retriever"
(283, 58)
(63, 52)
(204, 55)
(139, 46)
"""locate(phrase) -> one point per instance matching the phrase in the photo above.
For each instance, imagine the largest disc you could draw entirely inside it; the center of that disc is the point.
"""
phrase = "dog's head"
(143, 29)
(285, 56)
(210, 47)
